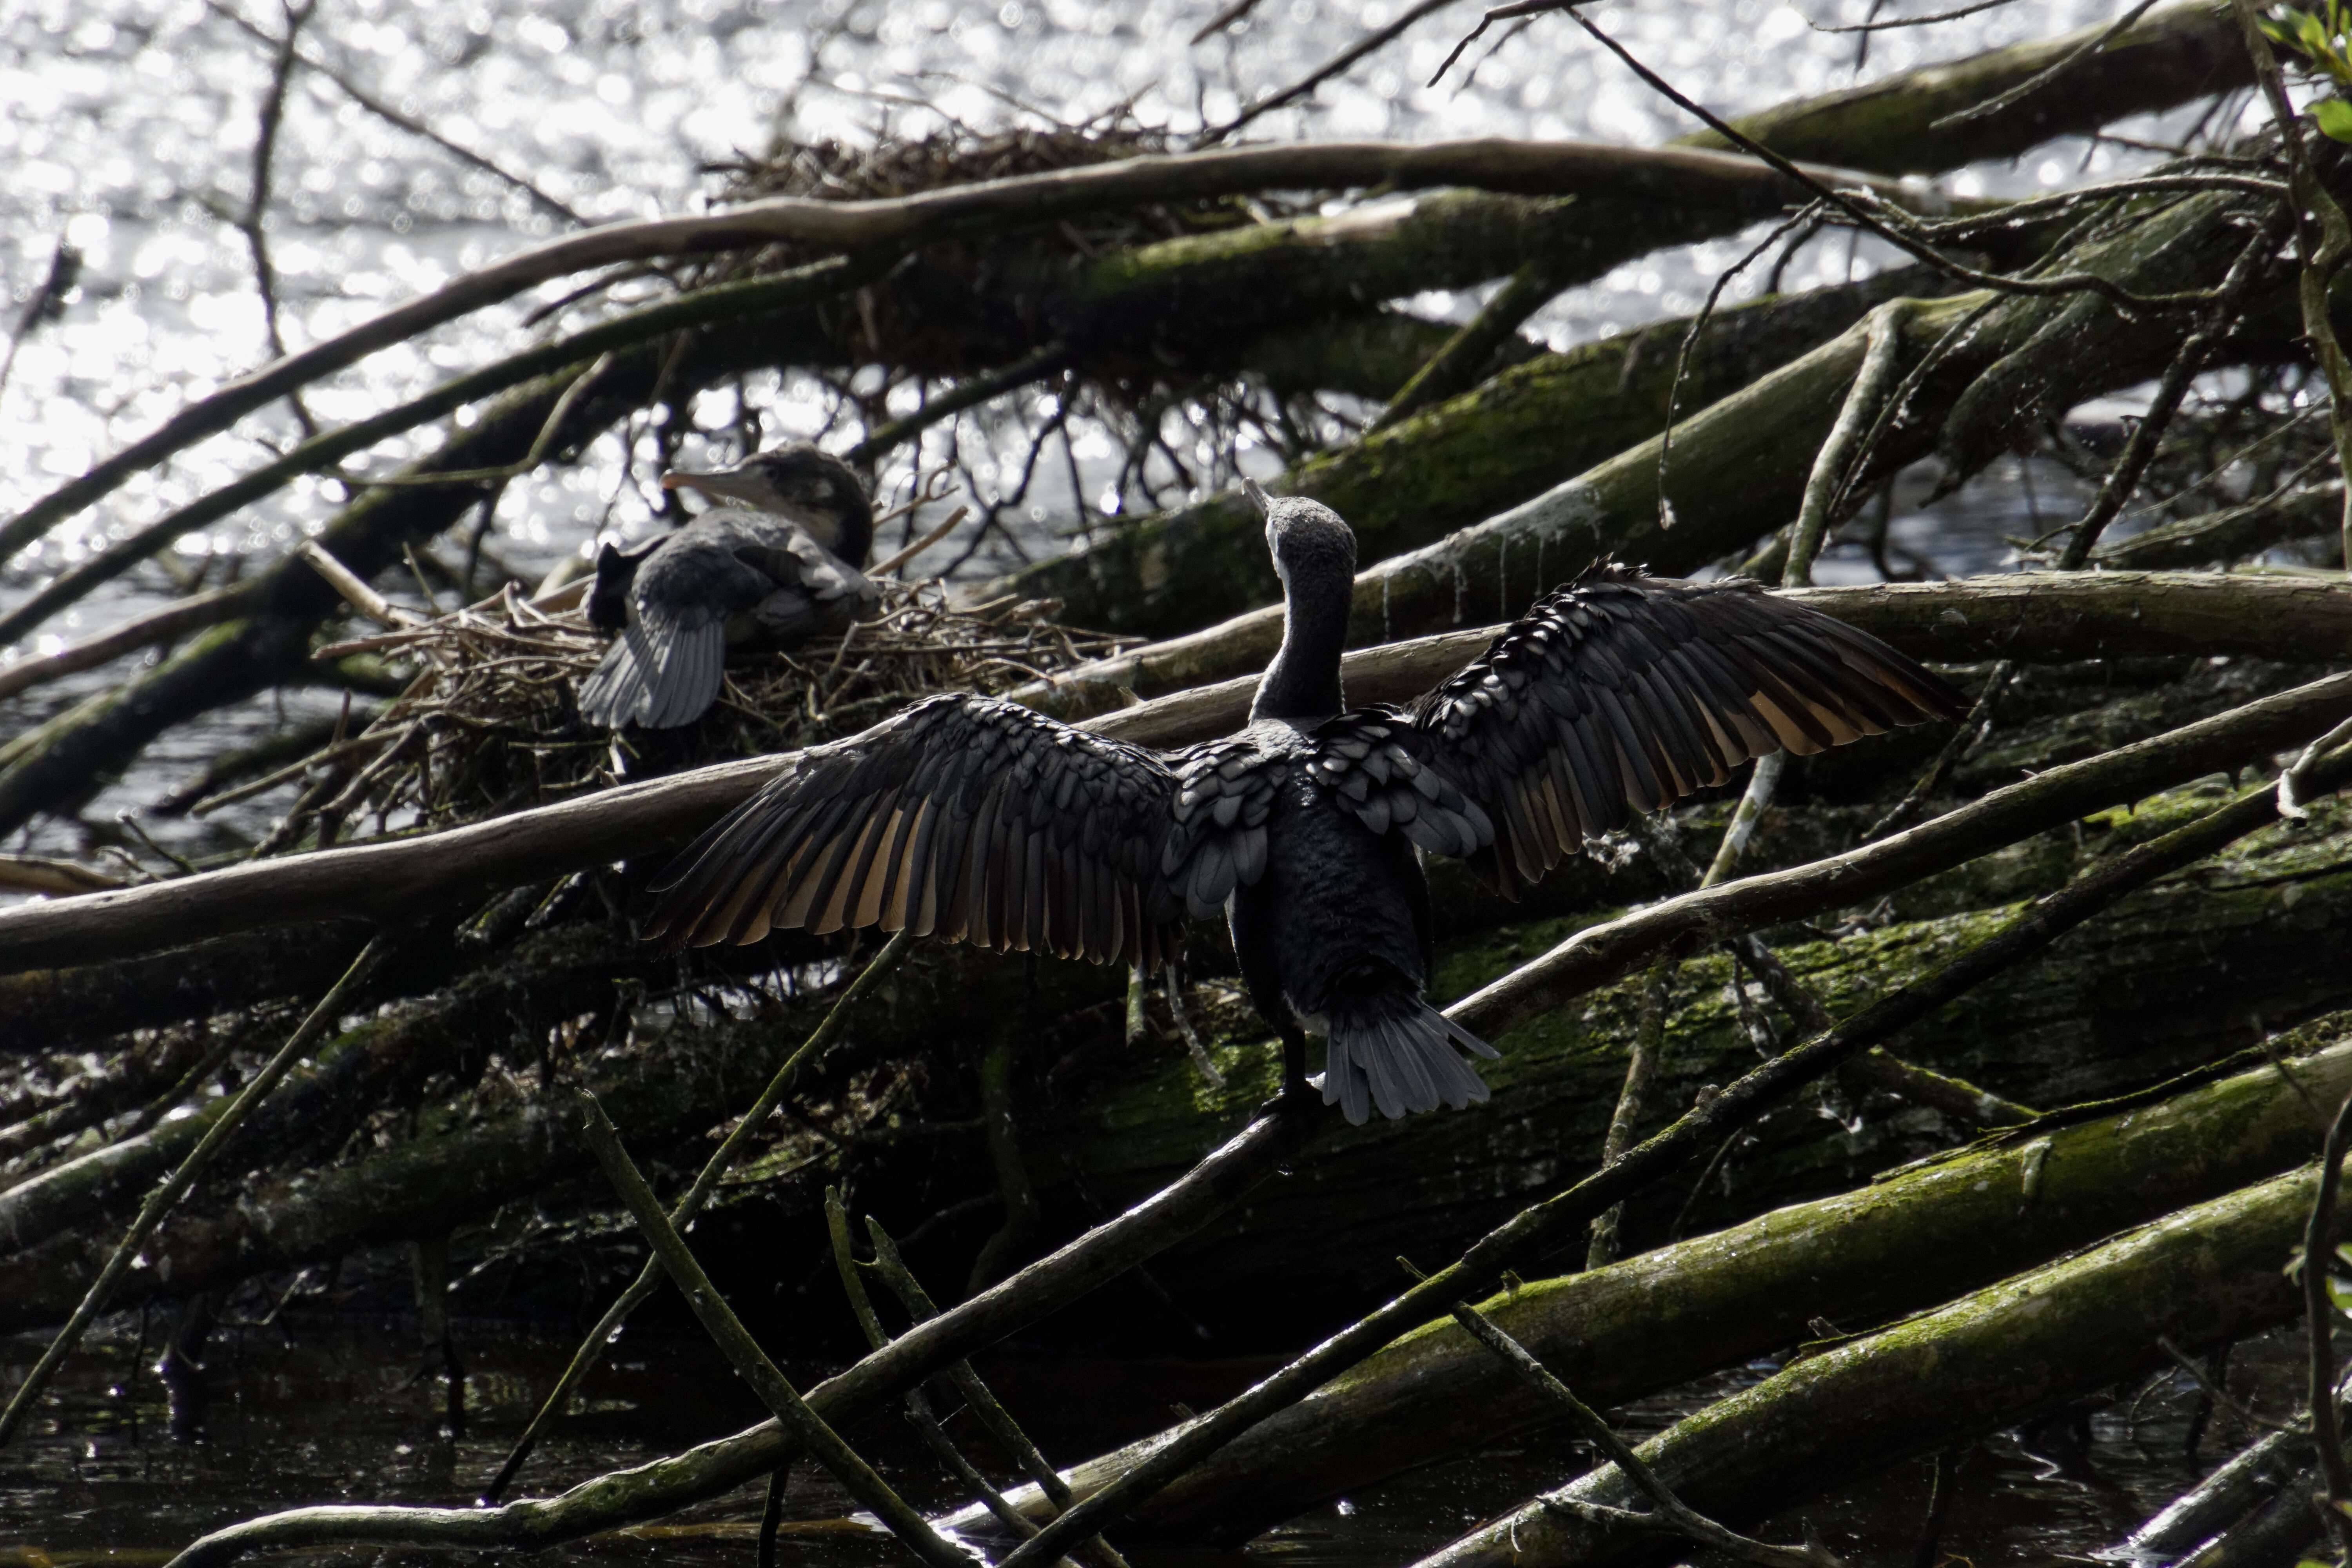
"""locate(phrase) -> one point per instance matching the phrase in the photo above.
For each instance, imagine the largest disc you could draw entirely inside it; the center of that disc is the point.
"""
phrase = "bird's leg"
(1297, 1095)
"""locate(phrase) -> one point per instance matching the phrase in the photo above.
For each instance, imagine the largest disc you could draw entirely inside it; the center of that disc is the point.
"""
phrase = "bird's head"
(1306, 539)
(798, 481)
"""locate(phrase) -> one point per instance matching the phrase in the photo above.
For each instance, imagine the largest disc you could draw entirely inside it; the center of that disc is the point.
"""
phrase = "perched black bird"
(979, 820)
(782, 567)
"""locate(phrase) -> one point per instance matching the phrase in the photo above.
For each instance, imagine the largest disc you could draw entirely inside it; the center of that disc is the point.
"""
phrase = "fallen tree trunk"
(560, 974)
(383, 881)
(2201, 1277)
(1527, 429)
(2124, 1002)
(1904, 122)
(1662, 179)
(1739, 465)
(2029, 616)
(1950, 1224)
(58, 1006)
(2233, 533)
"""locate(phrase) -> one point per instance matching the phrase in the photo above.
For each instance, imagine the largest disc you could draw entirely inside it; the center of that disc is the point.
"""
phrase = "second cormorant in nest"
(976, 819)
(781, 567)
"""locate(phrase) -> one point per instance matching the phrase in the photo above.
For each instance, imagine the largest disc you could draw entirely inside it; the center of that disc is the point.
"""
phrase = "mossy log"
(2200, 1277)
(2133, 998)
(1528, 428)
(1900, 125)
(2267, 915)
(560, 974)
(1950, 1224)
(1738, 466)
(395, 879)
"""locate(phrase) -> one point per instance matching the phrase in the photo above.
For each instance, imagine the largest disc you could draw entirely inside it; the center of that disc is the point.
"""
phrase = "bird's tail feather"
(1391, 1050)
(658, 674)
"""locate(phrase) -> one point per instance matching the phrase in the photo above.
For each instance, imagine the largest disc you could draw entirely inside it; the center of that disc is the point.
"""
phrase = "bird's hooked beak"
(720, 484)
(1250, 488)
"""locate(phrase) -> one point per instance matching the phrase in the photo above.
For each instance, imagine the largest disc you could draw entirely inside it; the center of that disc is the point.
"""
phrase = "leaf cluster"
(2320, 38)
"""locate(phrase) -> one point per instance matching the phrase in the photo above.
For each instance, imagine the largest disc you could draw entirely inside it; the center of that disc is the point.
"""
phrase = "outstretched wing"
(1366, 759)
(1620, 693)
(964, 817)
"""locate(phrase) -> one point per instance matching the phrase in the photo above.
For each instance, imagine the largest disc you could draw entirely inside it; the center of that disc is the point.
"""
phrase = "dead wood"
(381, 880)
(1949, 1226)
(2029, 617)
(2203, 1276)
(1739, 464)
(1663, 177)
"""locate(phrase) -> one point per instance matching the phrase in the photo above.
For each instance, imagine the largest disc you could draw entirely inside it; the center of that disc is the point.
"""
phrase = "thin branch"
(2124, 478)
(1378, 38)
(1860, 211)
(1926, 21)
(1223, 19)
(160, 1202)
(1841, 452)
(391, 115)
(592, 1345)
(47, 303)
(2043, 79)
(1459, 362)
(743, 1353)
(1671, 1509)
(969, 393)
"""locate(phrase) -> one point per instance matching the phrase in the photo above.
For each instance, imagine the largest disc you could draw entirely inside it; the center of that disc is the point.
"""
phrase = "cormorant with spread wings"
(975, 819)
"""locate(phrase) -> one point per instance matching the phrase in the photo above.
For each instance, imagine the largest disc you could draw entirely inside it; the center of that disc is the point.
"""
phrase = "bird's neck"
(1303, 682)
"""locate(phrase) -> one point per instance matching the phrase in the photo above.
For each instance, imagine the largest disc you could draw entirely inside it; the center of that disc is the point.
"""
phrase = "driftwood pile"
(2004, 1053)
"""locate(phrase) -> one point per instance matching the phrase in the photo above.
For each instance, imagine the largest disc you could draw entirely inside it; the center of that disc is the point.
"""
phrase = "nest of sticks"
(490, 724)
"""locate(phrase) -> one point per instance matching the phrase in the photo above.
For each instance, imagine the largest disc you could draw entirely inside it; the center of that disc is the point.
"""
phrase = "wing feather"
(965, 817)
(1622, 692)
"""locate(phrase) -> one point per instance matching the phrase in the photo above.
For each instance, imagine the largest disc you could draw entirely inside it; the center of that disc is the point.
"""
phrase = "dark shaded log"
(2201, 965)
(1950, 1224)
(2233, 533)
(2029, 616)
(385, 879)
(2203, 1276)
(553, 976)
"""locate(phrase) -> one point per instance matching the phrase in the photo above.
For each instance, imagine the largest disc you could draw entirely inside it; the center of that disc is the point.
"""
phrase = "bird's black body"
(780, 569)
(976, 819)
(1334, 940)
